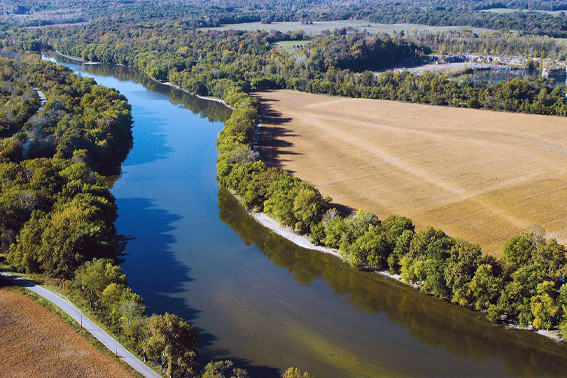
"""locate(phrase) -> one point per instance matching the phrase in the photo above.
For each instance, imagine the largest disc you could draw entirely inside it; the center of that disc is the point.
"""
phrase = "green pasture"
(289, 45)
(513, 10)
(317, 27)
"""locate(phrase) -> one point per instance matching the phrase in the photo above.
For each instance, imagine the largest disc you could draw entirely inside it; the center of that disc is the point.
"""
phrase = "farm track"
(478, 175)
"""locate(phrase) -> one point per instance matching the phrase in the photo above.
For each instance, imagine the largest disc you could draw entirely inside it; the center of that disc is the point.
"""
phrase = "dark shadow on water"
(113, 166)
(151, 267)
(156, 275)
(462, 332)
(149, 146)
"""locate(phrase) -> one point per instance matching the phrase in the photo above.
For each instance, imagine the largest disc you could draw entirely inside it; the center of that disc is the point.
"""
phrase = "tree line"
(206, 63)
(532, 17)
(523, 287)
(57, 215)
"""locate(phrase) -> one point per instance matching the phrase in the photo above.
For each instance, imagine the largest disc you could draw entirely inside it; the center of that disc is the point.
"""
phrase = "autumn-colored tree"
(172, 342)
(296, 373)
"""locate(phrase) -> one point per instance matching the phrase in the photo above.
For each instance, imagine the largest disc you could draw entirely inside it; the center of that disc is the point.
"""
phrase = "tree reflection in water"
(462, 332)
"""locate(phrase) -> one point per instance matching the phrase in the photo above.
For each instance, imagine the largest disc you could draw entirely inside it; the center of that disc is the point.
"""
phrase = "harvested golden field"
(36, 343)
(477, 175)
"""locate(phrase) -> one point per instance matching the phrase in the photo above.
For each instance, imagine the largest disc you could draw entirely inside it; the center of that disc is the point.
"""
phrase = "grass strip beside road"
(105, 338)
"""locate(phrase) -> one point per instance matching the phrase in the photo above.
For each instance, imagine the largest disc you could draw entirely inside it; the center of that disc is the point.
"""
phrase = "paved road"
(76, 314)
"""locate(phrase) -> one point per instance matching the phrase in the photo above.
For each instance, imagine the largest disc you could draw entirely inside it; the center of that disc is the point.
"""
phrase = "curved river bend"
(258, 299)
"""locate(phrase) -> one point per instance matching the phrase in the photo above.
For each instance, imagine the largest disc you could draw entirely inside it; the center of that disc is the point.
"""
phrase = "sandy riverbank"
(304, 242)
(286, 232)
(208, 98)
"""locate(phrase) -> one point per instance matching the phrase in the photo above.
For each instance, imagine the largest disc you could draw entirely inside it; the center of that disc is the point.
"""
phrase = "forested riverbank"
(57, 213)
(524, 287)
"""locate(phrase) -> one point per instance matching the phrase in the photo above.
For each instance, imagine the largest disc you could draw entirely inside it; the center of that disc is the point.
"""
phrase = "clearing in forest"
(36, 343)
(317, 27)
(478, 175)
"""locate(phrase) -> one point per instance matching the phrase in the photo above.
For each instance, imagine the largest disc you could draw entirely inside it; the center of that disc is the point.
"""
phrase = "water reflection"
(465, 334)
(496, 75)
(259, 299)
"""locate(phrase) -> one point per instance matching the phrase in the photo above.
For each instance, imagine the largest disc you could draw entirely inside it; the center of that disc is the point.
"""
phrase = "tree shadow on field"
(274, 142)
(343, 210)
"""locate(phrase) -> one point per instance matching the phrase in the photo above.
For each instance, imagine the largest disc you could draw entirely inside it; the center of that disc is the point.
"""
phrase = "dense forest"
(205, 63)
(534, 17)
(523, 288)
(57, 215)
(47, 180)
(49, 152)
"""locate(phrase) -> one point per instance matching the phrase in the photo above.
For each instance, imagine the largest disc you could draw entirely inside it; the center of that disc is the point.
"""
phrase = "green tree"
(400, 250)
(72, 238)
(518, 249)
(172, 342)
(296, 373)
(308, 207)
(543, 306)
(460, 270)
(551, 258)
(223, 369)
(370, 249)
(94, 276)
(484, 287)
(394, 226)
(281, 197)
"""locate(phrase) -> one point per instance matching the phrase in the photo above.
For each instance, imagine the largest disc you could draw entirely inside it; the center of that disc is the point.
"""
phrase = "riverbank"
(86, 62)
(208, 98)
(304, 242)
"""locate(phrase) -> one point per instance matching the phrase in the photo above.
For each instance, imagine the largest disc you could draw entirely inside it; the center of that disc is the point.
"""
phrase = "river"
(262, 301)
(496, 75)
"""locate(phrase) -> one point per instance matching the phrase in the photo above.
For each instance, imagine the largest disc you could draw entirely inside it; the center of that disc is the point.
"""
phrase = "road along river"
(262, 301)
(106, 339)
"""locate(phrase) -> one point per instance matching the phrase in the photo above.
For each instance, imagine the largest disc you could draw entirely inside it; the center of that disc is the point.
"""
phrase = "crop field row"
(36, 343)
(478, 175)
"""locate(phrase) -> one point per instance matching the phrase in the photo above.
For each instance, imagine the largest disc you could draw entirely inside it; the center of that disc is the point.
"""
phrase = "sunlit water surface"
(258, 299)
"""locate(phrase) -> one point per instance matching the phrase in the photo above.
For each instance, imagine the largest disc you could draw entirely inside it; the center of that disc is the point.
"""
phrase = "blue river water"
(262, 301)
